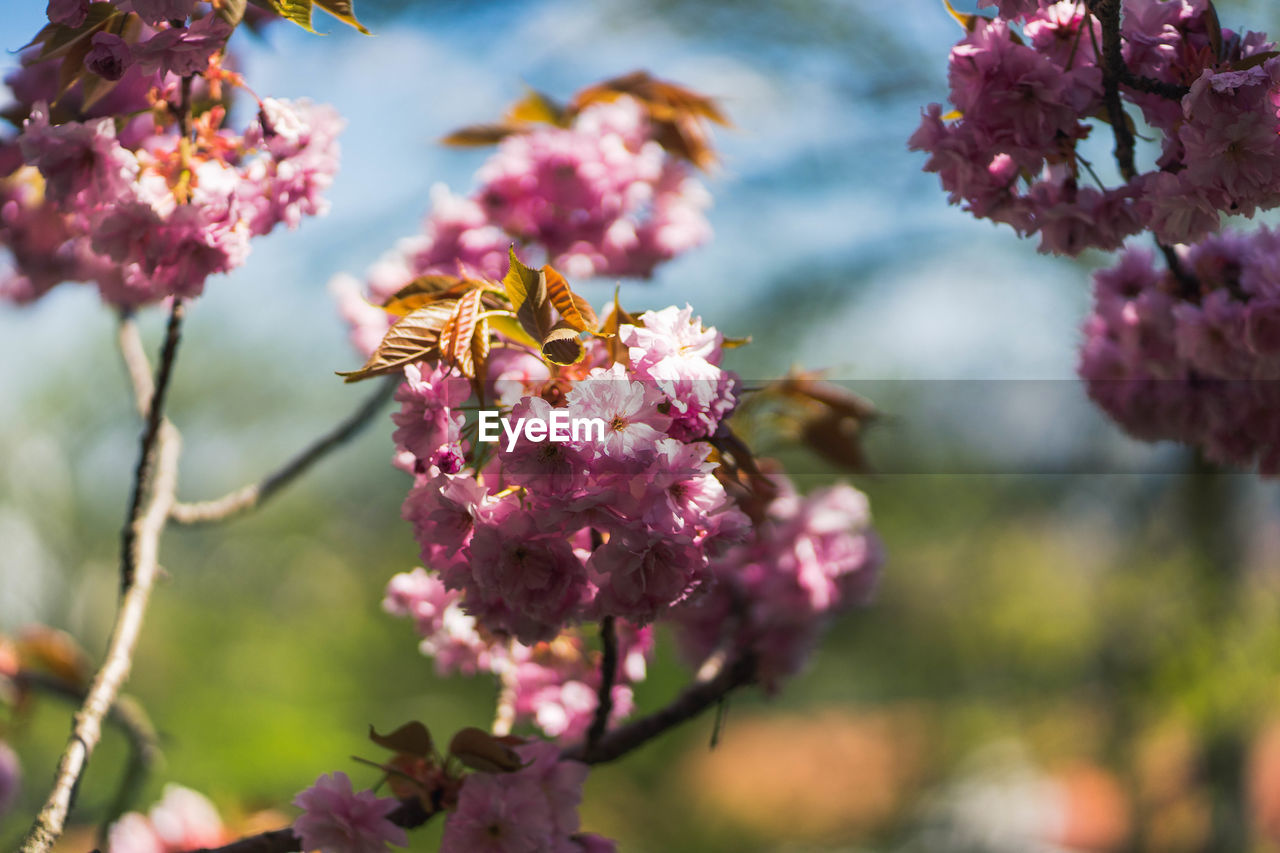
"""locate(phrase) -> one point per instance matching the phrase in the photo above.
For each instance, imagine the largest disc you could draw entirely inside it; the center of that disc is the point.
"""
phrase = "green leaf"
(527, 291)
(343, 11)
(231, 11)
(411, 738)
(298, 11)
(507, 326)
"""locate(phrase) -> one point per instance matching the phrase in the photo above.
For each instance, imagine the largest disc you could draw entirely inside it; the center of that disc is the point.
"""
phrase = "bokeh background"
(1077, 640)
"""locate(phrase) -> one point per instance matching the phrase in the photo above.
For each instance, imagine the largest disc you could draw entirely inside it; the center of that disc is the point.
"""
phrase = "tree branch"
(1151, 86)
(126, 715)
(250, 496)
(154, 483)
(696, 698)
(1113, 72)
(102, 693)
(410, 815)
(136, 363)
(608, 674)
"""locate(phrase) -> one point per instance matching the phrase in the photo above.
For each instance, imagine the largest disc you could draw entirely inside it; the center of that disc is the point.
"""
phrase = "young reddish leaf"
(412, 739)
(456, 334)
(618, 354)
(562, 345)
(527, 291)
(664, 100)
(574, 310)
(343, 11)
(55, 652)
(676, 112)
(414, 337)
(424, 290)
(479, 135)
(481, 751)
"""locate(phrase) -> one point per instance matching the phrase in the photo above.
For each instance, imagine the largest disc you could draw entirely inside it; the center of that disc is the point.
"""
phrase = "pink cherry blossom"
(337, 819)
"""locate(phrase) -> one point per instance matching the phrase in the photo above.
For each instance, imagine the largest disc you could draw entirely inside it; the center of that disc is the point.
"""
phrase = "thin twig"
(608, 674)
(254, 494)
(695, 699)
(126, 715)
(147, 451)
(136, 363)
(102, 693)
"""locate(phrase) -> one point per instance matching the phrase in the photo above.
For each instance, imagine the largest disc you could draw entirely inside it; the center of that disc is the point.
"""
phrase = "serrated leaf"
(343, 11)
(456, 334)
(479, 135)
(424, 290)
(562, 345)
(527, 291)
(414, 337)
(412, 738)
(573, 309)
(481, 751)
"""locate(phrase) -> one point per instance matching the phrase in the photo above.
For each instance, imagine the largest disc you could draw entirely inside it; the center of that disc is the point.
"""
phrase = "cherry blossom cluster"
(140, 191)
(182, 820)
(554, 685)
(811, 557)
(600, 197)
(1194, 359)
(1028, 86)
(534, 808)
(514, 532)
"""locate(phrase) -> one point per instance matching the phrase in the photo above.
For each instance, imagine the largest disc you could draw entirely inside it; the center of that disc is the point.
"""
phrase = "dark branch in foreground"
(695, 699)
(254, 494)
(1114, 72)
(1151, 86)
(608, 674)
(409, 815)
(702, 694)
